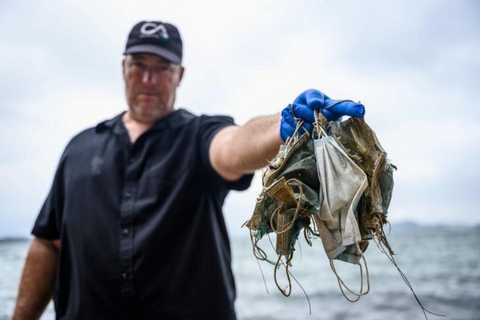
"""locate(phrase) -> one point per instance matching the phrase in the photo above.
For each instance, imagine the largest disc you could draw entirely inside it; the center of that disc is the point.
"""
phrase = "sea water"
(442, 265)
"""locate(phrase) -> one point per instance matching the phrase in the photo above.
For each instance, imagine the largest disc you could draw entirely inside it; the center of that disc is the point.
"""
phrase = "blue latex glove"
(303, 108)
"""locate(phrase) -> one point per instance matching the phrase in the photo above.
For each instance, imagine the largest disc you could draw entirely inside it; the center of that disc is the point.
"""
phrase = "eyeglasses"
(140, 69)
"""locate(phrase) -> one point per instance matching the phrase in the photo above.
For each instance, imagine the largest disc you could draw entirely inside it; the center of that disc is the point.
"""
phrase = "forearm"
(257, 142)
(38, 280)
(240, 150)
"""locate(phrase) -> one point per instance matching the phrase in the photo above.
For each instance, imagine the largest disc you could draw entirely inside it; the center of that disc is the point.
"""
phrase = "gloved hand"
(303, 108)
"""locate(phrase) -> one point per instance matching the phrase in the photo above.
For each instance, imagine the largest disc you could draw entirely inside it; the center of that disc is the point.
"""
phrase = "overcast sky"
(413, 64)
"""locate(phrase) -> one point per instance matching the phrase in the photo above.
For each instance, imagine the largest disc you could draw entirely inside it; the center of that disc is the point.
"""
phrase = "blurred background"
(414, 65)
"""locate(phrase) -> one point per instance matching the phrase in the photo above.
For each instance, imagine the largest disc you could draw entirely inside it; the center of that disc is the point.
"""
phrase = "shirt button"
(126, 231)
(128, 195)
(125, 276)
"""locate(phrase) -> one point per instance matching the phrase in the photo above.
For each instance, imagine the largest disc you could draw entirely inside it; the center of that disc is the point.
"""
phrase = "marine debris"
(335, 184)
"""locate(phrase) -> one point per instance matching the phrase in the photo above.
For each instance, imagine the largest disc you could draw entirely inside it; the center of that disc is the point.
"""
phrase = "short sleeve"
(209, 127)
(49, 219)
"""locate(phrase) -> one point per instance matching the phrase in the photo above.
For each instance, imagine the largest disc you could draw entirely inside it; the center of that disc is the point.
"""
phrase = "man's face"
(150, 85)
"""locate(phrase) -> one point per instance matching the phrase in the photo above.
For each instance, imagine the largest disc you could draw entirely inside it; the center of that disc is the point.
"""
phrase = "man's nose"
(149, 76)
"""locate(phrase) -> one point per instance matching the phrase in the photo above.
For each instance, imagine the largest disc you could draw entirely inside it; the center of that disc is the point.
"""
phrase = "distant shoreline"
(400, 226)
(415, 225)
(13, 239)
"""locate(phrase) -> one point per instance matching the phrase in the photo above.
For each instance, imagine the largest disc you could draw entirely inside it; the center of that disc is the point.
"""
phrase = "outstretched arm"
(235, 151)
(38, 279)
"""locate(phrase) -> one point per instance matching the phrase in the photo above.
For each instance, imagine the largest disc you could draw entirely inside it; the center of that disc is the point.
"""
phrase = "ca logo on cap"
(150, 29)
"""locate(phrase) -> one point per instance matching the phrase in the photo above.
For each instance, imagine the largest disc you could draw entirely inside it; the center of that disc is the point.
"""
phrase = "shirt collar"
(174, 119)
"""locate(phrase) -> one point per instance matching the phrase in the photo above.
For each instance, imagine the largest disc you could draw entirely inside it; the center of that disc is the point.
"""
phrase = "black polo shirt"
(141, 226)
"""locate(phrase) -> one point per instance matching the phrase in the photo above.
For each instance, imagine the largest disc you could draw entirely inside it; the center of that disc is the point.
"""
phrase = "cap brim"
(148, 48)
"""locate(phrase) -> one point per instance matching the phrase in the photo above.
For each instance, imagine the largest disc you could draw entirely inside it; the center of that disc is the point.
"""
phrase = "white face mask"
(342, 183)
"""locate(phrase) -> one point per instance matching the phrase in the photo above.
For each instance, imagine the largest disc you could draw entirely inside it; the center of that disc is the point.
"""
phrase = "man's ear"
(123, 67)
(182, 71)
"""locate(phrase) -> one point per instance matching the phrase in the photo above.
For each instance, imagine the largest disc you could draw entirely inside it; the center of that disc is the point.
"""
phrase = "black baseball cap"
(156, 37)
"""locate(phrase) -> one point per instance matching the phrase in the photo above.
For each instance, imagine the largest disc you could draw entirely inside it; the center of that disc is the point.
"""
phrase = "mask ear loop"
(318, 128)
(338, 102)
(363, 275)
(321, 123)
(299, 121)
(297, 213)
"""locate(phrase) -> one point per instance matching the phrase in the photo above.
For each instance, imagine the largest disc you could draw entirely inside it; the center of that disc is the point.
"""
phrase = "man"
(132, 227)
